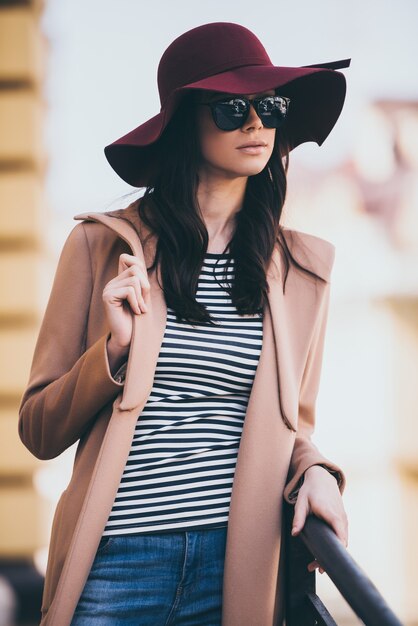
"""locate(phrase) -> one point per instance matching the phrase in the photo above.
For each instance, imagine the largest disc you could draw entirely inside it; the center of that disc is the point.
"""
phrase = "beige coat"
(72, 396)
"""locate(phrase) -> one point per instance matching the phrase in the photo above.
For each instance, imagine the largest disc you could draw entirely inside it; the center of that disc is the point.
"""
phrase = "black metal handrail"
(317, 540)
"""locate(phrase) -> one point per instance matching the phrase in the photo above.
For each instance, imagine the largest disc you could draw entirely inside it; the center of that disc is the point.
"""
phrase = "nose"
(252, 121)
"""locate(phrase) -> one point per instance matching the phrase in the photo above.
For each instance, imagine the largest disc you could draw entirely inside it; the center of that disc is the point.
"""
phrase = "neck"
(219, 201)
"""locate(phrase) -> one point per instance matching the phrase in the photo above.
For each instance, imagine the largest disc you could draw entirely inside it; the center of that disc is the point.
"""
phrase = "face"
(220, 149)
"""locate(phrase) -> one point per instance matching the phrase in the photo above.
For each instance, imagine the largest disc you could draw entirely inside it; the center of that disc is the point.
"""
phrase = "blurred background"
(74, 76)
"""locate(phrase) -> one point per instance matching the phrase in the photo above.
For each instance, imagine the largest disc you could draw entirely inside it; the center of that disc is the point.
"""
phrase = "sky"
(101, 77)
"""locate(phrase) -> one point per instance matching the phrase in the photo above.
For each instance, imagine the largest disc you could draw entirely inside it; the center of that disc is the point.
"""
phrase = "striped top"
(180, 468)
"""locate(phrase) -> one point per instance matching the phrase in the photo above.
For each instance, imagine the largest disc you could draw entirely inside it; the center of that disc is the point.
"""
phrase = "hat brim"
(317, 98)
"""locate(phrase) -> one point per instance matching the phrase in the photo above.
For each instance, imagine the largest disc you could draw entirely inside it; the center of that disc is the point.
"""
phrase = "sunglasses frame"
(255, 102)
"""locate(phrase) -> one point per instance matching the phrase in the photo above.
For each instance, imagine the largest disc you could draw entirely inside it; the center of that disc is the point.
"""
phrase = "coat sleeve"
(305, 453)
(68, 384)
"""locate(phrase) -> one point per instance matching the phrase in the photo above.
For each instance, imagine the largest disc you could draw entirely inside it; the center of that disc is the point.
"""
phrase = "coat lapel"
(148, 328)
(290, 312)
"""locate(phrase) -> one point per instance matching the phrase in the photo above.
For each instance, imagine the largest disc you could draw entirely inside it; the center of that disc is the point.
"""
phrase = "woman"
(180, 331)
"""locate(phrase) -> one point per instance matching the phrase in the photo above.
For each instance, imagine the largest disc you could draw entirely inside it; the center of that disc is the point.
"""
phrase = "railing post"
(302, 605)
(318, 541)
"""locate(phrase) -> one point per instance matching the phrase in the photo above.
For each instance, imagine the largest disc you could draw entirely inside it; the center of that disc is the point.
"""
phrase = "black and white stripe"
(181, 465)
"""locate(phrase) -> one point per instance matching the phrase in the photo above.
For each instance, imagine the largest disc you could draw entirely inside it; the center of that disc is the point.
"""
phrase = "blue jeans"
(156, 579)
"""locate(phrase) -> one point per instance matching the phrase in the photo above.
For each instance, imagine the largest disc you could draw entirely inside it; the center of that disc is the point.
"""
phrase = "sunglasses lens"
(232, 114)
(273, 110)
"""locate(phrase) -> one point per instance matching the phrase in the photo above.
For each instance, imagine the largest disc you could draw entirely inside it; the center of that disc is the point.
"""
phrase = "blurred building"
(22, 222)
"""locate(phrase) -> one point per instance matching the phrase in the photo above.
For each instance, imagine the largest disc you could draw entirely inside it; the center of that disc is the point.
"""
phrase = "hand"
(124, 295)
(320, 495)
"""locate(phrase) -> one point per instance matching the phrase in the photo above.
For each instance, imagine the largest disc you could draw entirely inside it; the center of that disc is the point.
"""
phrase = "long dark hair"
(169, 208)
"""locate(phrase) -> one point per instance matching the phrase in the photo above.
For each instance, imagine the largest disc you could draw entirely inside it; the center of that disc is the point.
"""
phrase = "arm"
(305, 453)
(68, 384)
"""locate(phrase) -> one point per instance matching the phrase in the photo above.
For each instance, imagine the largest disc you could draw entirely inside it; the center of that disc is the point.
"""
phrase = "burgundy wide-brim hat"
(227, 57)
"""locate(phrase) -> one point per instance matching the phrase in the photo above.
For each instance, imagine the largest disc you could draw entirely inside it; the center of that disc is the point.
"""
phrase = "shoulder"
(89, 235)
(315, 253)
(97, 227)
(95, 242)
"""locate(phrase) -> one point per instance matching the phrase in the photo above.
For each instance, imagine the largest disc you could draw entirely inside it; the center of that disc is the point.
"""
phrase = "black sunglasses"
(230, 114)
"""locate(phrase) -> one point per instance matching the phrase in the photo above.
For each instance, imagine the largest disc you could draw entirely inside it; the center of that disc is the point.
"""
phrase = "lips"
(252, 148)
(253, 144)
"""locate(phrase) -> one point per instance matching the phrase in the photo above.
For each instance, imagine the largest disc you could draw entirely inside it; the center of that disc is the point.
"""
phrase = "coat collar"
(286, 310)
(313, 252)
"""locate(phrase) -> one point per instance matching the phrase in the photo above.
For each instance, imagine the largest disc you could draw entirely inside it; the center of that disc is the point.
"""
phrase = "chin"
(242, 170)
(252, 170)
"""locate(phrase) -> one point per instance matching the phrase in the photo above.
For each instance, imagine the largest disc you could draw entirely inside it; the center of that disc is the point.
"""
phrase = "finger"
(129, 260)
(335, 517)
(130, 281)
(339, 525)
(133, 301)
(313, 565)
(116, 296)
(133, 276)
(139, 270)
(301, 510)
(135, 270)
